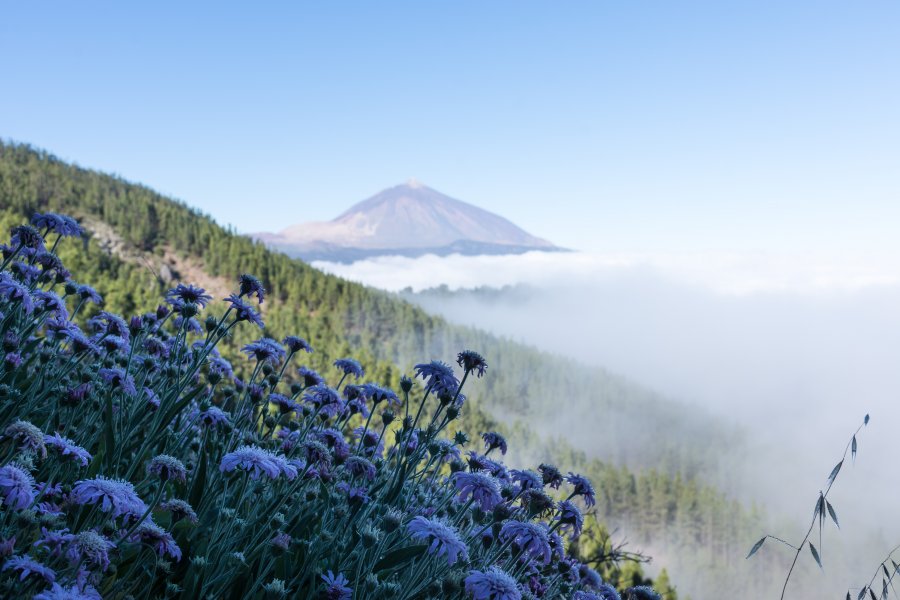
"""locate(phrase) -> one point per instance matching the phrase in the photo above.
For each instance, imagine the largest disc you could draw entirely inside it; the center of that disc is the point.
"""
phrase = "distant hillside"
(407, 220)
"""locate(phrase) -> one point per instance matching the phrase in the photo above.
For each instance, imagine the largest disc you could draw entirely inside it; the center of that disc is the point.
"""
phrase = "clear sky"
(607, 126)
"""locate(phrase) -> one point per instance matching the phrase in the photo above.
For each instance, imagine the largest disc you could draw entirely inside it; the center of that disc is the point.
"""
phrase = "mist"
(792, 350)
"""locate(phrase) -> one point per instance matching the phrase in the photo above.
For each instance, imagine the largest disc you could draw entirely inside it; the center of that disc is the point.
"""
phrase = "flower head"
(251, 286)
(642, 592)
(438, 377)
(14, 291)
(167, 467)
(179, 509)
(90, 548)
(471, 362)
(88, 294)
(583, 487)
(492, 584)
(481, 487)
(214, 417)
(350, 366)
(310, 377)
(73, 592)
(16, 486)
(492, 440)
(445, 541)
(27, 437)
(62, 225)
(296, 344)
(157, 538)
(527, 479)
(252, 459)
(265, 350)
(118, 379)
(570, 516)
(337, 587)
(25, 565)
(244, 312)
(114, 496)
(530, 537)
(190, 294)
(551, 475)
(68, 449)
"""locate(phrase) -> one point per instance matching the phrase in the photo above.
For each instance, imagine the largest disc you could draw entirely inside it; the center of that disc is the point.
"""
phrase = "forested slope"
(663, 447)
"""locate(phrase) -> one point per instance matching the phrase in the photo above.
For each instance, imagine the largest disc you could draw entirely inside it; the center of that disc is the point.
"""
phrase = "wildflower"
(255, 461)
(316, 452)
(550, 475)
(380, 394)
(570, 516)
(296, 344)
(27, 237)
(264, 350)
(118, 379)
(356, 495)
(51, 303)
(557, 546)
(215, 417)
(471, 362)
(536, 501)
(152, 399)
(477, 462)
(641, 592)
(26, 566)
(110, 324)
(438, 376)
(445, 450)
(492, 584)
(590, 578)
(583, 487)
(492, 440)
(282, 541)
(530, 537)
(14, 291)
(360, 467)
(27, 437)
(179, 510)
(357, 406)
(244, 312)
(349, 367)
(251, 286)
(481, 487)
(527, 479)
(114, 496)
(157, 538)
(310, 377)
(607, 592)
(191, 325)
(285, 405)
(74, 592)
(444, 538)
(372, 445)
(167, 467)
(113, 343)
(324, 399)
(88, 294)
(337, 588)
(188, 294)
(62, 225)
(16, 486)
(90, 548)
(68, 448)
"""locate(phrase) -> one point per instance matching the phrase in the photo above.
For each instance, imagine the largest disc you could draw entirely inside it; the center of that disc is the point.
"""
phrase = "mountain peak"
(409, 219)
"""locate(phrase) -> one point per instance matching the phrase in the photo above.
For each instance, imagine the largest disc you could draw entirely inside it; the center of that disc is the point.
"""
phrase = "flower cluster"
(140, 462)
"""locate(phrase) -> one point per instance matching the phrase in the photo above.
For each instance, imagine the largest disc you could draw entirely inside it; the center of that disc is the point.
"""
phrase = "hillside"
(410, 220)
(531, 392)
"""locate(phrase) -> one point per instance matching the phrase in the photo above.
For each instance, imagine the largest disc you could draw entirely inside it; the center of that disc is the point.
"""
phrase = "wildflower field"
(139, 463)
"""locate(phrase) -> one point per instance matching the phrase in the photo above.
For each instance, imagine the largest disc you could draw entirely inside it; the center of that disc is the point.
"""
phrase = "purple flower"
(90, 548)
(380, 394)
(607, 592)
(110, 324)
(336, 587)
(570, 516)
(349, 367)
(244, 312)
(371, 444)
(296, 344)
(527, 479)
(589, 577)
(27, 437)
(220, 366)
(157, 538)
(551, 475)
(191, 325)
(310, 377)
(152, 399)
(68, 449)
(118, 379)
(62, 225)
(214, 417)
(583, 487)
(444, 538)
(74, 592)
(27, 237)
(251, 286)
(179, 509)
(324, 399)
(477, 462)
(88, 294)
(167, 467)
(265, 350)
(471, 362)
(360, 467)
(282, 541)
(188, 294)
(530, 537)
(642, 592)
(492, 440)
(438, 376)
(481, 487)
(114, 496)
(50, 302)
(492, 584)
(26, 566)
(285, 405)
(14, 291)
(252, 459)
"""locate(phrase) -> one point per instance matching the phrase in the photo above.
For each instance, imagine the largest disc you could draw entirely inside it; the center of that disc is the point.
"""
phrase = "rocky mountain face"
(409, 220)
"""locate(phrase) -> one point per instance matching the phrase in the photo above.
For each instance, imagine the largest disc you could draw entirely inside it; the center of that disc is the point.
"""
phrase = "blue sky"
(607, 126)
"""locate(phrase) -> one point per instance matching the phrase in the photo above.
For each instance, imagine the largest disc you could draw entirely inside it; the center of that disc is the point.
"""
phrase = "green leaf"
(815, 554)
(399, 556)
(832, 513)
(756, 547)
